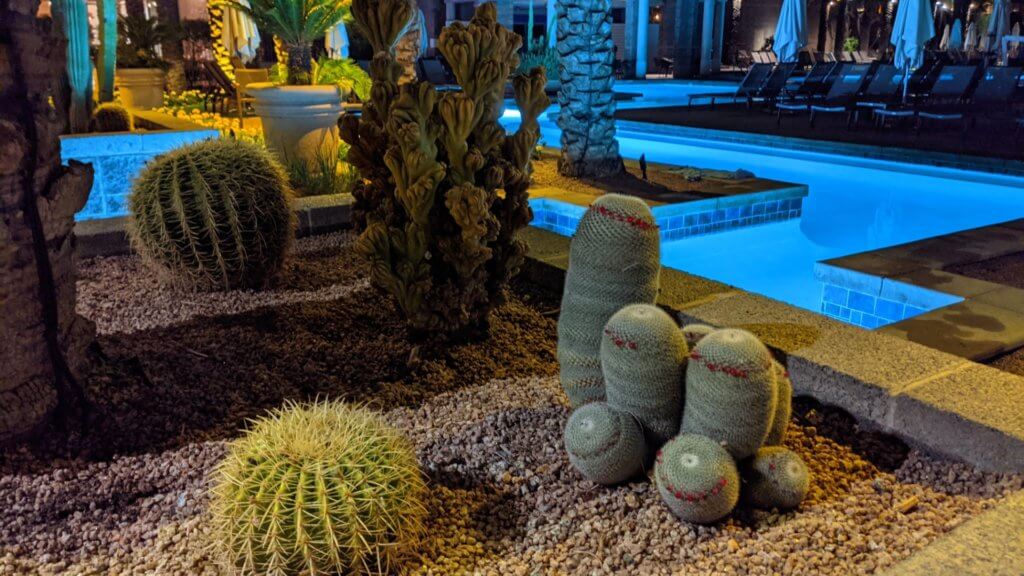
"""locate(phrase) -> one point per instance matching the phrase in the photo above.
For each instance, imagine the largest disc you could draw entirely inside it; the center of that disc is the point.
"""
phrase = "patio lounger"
(994, 91)
(815, 82)
(771, 89)
(951, 87)
(432, 70)
(842, 97)
(884, 89)
(752, 81)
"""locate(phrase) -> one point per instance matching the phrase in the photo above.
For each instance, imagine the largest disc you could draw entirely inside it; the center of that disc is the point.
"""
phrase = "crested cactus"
(110, 117)
(697, 479)
(437, 233)
(730, 391)
(695, 332)
(775, 478)
(320, 489)
(75, 19)
(614, 260)
(605, 445)
(214, 214)
(643, 355)
(783, 406)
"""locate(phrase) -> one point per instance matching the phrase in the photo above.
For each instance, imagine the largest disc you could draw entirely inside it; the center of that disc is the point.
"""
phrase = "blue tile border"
(853, 305)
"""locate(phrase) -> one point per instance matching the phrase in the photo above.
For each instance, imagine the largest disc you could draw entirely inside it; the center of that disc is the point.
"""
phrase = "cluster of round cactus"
(110, 117)
(213, 215)
(318, 489)
(709, 406)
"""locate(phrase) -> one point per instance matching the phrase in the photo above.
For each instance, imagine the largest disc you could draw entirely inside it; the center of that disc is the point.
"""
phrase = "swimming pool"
(854, 205)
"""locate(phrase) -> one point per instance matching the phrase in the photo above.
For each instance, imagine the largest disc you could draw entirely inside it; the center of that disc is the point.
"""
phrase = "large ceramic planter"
(140, 87)
(299, 122)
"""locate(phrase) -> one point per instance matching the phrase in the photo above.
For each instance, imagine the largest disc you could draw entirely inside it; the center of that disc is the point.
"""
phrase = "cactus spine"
(730, 391)
(783, 405)
(110, 117)
(775, 478)
(643, 355)
(614, 260)
(214, 214)
(605, 445)
(75, 20)
(318, 490)
(697, 479)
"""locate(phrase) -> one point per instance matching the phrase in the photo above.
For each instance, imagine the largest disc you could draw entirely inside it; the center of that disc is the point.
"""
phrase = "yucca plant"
(213, 215)
(297, 23)
(319, 489)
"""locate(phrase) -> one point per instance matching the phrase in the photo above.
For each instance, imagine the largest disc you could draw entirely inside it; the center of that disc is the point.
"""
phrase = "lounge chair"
(771, 89)
(232, 91)
(814, 83)
(951, 86)
(849, 81)
(752, 82)
(994, 90)
(432, 70)
(883, 90)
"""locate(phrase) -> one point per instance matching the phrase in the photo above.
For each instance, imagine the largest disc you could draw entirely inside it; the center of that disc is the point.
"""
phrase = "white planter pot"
(298, 121)
(140, 87)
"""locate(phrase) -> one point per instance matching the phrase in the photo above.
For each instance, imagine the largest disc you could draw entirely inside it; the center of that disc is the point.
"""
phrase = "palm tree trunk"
(44, 339)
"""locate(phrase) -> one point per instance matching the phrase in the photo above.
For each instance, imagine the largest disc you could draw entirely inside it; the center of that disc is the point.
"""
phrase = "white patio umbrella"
(791, 30)
(239, 33)
(971, 41)
(944, 43)
(911, 30)
(336, 41)
(956, 35)
(998, 25)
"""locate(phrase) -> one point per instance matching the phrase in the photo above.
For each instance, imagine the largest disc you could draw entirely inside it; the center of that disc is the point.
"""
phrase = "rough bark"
(43, 340)
(586, 53)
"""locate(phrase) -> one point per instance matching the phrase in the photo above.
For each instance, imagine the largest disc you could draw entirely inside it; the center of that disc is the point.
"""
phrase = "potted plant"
(299, 118)
(140, 72)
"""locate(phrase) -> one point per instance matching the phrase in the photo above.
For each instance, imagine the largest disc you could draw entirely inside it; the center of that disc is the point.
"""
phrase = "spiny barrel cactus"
(110, 117)
(697, 479)
(214, 214)
(730, 391)
(695, 332)
(319, 489)
(614, 260)
(783, 405)
(775, 478)
(437, 233)
(605, 445)
(643, 355)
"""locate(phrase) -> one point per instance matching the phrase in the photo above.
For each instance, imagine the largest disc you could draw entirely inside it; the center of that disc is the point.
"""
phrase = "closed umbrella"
(791, 30)
(971, 41)
(336, 41)
(944, 43)
(956, 35)
(911, 30)
(998, 25)
(240, 35)
(424, 39)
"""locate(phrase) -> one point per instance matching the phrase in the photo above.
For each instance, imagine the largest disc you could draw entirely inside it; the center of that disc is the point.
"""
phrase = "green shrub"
(111, 117)
(444, 189)
(328, 173)
(319, 489)
(539, 55)
(213, 215)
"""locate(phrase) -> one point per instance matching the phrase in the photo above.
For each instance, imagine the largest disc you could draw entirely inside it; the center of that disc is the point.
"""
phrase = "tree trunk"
(587, 118)
(44, 340)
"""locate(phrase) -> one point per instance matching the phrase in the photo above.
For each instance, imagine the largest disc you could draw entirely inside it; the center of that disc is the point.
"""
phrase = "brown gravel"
(486, 420)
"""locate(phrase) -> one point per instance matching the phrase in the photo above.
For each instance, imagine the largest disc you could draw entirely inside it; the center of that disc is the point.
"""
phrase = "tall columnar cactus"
(318, 490)
(587, 118)
(435, 230)
(614, 260)
(605, 445)
(775, 478)
(75, 19)
(643, 355)
(110, 117)
(213, 215)
(697, 479)
(106, 59)
(730, 391)
(783, 406)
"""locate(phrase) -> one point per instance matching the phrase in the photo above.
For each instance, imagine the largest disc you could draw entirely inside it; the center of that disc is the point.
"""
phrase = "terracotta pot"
(299, 122)
(140, 87)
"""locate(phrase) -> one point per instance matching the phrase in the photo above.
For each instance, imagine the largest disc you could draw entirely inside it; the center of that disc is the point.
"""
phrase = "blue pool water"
(854, 204)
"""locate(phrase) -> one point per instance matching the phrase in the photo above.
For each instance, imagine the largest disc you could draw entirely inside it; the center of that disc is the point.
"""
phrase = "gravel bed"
(486, 418)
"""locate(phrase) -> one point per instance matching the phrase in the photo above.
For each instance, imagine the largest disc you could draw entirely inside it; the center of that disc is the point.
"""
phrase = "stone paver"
(970, 329)
(989, 545)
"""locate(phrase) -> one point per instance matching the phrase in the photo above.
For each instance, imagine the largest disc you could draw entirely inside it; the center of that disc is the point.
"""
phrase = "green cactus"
(614, 260)
(783, 406)
(695, 332)
(438, 235)
(775, 478)
(643, 356)
(318, 489)
(730, 391)
(697, 479)
(75, 19)
(213, 215)
(106, 57)
(605, 445)
(110, 117)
